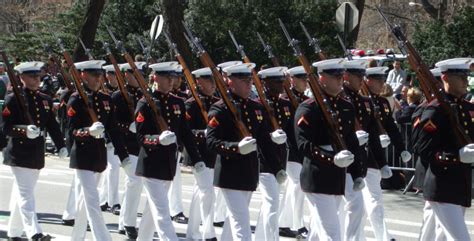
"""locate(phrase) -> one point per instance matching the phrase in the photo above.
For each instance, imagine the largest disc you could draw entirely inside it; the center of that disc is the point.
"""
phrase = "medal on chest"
(176, 110)
(106, 105)
(46, 105)
(259, 115)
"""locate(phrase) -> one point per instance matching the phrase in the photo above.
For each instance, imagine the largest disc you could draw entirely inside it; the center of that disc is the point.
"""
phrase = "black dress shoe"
(211, 239)
(67, 222)
(287, 232)
(115, 209)
(180, 218)
(302, 233)
(41, 237)
(132, 232)
(15, 239)
(104, 207)
(219, 224)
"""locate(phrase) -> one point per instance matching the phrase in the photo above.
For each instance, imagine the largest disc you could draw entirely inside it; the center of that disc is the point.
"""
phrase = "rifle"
(159, 121)
(328, 115)
(365, 91)
(220, 84)
(258, 84)
(86, 50)
(427, 81)
(15, 83)
(189, 77)
(77, 81)
(155, 31)
(286, 83)
(313, 42)
(120, 80)
(66, 79)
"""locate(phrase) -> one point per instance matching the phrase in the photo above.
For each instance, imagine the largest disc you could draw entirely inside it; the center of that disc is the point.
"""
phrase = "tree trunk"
(173, 12)
(355, 33)
(88, 29)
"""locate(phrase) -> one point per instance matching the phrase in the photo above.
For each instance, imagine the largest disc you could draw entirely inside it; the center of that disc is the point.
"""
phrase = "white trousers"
(74, 191)
(175, 192)
(156, 215)
(109, 192)
(132, 194)
(450, 218)
(292, 203)
(88, 209)
(220, 208)
(22, 203)
(237, 223)
(429, 229)
(267, 223)
(324, 219)
(353, 210)
(373, 201)
(202, 206)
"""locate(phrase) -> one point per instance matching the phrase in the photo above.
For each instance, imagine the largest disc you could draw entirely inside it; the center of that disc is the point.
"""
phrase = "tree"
(436, 41)
(89, 28)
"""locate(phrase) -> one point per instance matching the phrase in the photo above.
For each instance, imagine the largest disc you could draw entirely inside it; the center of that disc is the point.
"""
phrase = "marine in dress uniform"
(272, 172)
(109, 196)
(175, 194)
(369, 140)
(448, 179)
(126, 123)
(26, 165)
(236, 170)
(220, 210)
(372, 192)
(321, 164)
(157, 155)
(429, 229)
(88, 153)
(203, 199)
(292, 205)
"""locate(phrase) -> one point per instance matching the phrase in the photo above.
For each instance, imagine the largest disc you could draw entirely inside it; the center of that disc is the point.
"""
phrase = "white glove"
(363, 137)
(278, 136)
(132, 128)
(466, 154)
(167, 138)
(125, 162)
(199, 167)
(343, 158)
(247, 145)
(96, 129)
(32, 131)
(359, 184)
(281, 176)
(385, 172)
(63, 153)
(110, 146)
(384, 140)
(406, 156)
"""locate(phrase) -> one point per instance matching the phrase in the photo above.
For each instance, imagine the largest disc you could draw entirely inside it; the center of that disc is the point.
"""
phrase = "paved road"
(403, 212)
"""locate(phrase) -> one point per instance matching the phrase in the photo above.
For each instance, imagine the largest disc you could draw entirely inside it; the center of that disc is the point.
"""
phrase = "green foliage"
(211, 20)
(436, 42)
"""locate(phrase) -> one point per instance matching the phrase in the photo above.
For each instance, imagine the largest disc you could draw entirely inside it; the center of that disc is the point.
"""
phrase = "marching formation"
(319, 130)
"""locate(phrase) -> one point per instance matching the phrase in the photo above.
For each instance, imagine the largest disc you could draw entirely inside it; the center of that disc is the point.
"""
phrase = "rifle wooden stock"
(77, 82)
(192, 86)
(220, 84)
(15, 83)
(162, 125)
(121, 85)
(337, 138)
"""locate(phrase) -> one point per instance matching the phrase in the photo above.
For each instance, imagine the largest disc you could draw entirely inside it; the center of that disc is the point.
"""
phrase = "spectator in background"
(397, 77)
(414, 97)
(4, 81)
(387, 92)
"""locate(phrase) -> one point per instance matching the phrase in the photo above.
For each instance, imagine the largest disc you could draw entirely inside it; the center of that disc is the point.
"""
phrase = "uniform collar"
(297, 93)
(238, 99)
(454, 99)
(29, 92)
(161, 96)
